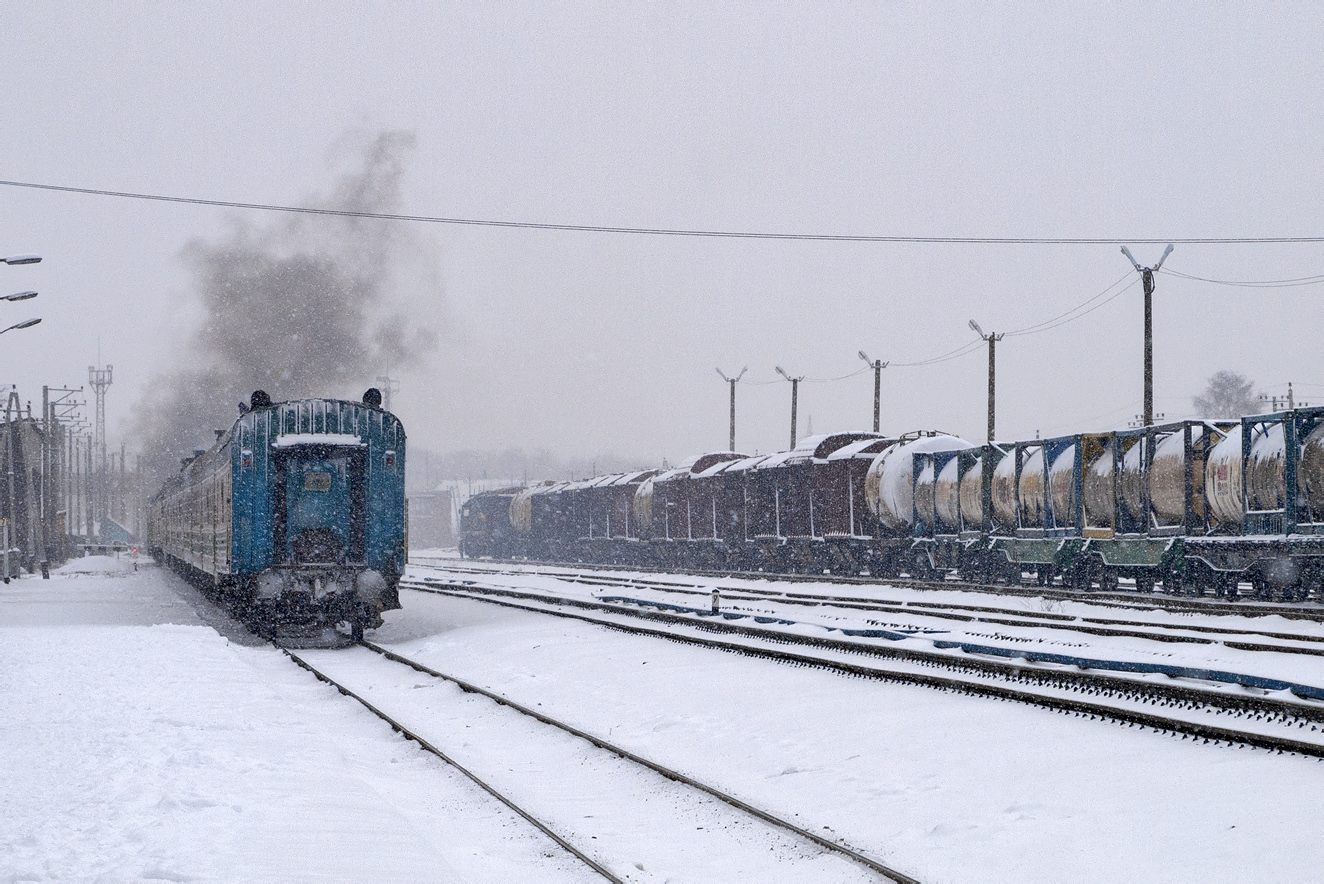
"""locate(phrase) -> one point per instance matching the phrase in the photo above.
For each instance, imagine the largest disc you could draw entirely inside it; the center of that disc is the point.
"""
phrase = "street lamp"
(22, 259)
(1147, 274)
(19, 296)
(795, 394)
(27, 323)
(733, 381)
(992, 370)
(878, 366)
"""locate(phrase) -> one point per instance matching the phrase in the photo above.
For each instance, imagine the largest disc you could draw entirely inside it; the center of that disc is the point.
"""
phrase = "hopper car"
(295, 517)
(1219, 507)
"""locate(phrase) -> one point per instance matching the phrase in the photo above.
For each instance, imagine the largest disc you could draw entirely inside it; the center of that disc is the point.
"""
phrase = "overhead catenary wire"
(667, 231)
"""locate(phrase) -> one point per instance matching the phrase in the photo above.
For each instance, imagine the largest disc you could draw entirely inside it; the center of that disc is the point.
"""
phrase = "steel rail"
(1077, 681)
(740, 804)
(411, 735)
(1164, 601)
(943, 611)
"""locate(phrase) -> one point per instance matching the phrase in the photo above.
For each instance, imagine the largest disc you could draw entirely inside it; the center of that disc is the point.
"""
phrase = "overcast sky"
(1197, 120)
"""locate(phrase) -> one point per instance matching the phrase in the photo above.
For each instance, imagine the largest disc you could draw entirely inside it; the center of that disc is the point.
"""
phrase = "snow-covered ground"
(140, 744)
(146, 737)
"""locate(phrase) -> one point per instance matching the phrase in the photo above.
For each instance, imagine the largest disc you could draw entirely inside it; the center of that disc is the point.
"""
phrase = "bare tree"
(1227, 394)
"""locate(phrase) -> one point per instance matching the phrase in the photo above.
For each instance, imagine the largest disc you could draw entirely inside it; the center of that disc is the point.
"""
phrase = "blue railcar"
(296, 516)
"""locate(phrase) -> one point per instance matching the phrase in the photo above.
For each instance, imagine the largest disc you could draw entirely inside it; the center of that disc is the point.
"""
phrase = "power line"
(1041, 326)
(1034, 330)
(1253, 284)
(667, 231)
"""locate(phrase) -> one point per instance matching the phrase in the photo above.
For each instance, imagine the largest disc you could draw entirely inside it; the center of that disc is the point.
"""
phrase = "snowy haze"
(1117, 121)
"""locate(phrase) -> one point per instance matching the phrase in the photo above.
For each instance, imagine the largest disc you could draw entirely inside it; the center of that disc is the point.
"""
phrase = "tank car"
(295, 517)
(1193, 506)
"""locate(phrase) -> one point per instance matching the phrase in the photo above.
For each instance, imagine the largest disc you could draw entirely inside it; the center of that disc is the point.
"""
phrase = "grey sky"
(1194, 120)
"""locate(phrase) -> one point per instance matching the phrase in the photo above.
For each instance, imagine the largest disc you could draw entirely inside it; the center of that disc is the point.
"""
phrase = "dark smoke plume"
(308, 306)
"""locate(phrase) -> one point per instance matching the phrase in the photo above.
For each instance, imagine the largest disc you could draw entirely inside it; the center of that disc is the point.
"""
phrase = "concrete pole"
(1148, 276)
(795, 395)
(733, 414)
(992, 382)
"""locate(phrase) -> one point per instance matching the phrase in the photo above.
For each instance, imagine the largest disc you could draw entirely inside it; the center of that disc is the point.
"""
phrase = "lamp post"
(1147, 274)
(877, 365)
(795, 394)
(733, 381)
(992, 371)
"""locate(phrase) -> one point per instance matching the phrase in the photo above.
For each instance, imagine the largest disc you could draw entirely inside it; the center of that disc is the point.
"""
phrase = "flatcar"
(295, 517)
(1193, 507)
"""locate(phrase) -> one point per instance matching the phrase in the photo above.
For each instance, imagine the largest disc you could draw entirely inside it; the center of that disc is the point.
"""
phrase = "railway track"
(865, 865)
(1191, 633)
(1116, 598)
(1193, 712)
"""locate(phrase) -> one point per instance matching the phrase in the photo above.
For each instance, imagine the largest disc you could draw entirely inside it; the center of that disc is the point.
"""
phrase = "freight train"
(295, 517)
(1197, 507)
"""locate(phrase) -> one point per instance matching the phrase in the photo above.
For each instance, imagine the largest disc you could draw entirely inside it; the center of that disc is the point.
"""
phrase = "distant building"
(431, 520)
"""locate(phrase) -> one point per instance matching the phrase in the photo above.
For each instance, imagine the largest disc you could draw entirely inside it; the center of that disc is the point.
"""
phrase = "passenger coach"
(296, 516)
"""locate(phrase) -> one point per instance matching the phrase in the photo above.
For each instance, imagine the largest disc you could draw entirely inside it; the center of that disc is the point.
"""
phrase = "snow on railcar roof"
(287, 440)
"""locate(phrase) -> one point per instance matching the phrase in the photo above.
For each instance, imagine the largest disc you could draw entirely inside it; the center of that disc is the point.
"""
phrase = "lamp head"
(976, 329)
(1132, 258)
(20, 296)
(1166, 253)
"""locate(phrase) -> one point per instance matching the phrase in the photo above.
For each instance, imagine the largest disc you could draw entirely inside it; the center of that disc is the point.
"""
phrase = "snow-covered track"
(793, 832)
(1117, 598)
(478, 781)
(1311, 645)
(1048, 687)
(669, 773)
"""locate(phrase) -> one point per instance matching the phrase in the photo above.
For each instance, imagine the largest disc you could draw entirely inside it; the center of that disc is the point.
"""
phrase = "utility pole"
(877, 366)
(733, 381)
(1147, 275)
(795, 395)
(100, 379)
(389, 385)
(992, 371)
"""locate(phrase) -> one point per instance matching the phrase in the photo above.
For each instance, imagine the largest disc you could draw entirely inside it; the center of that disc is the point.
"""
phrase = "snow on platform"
(139, 743)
